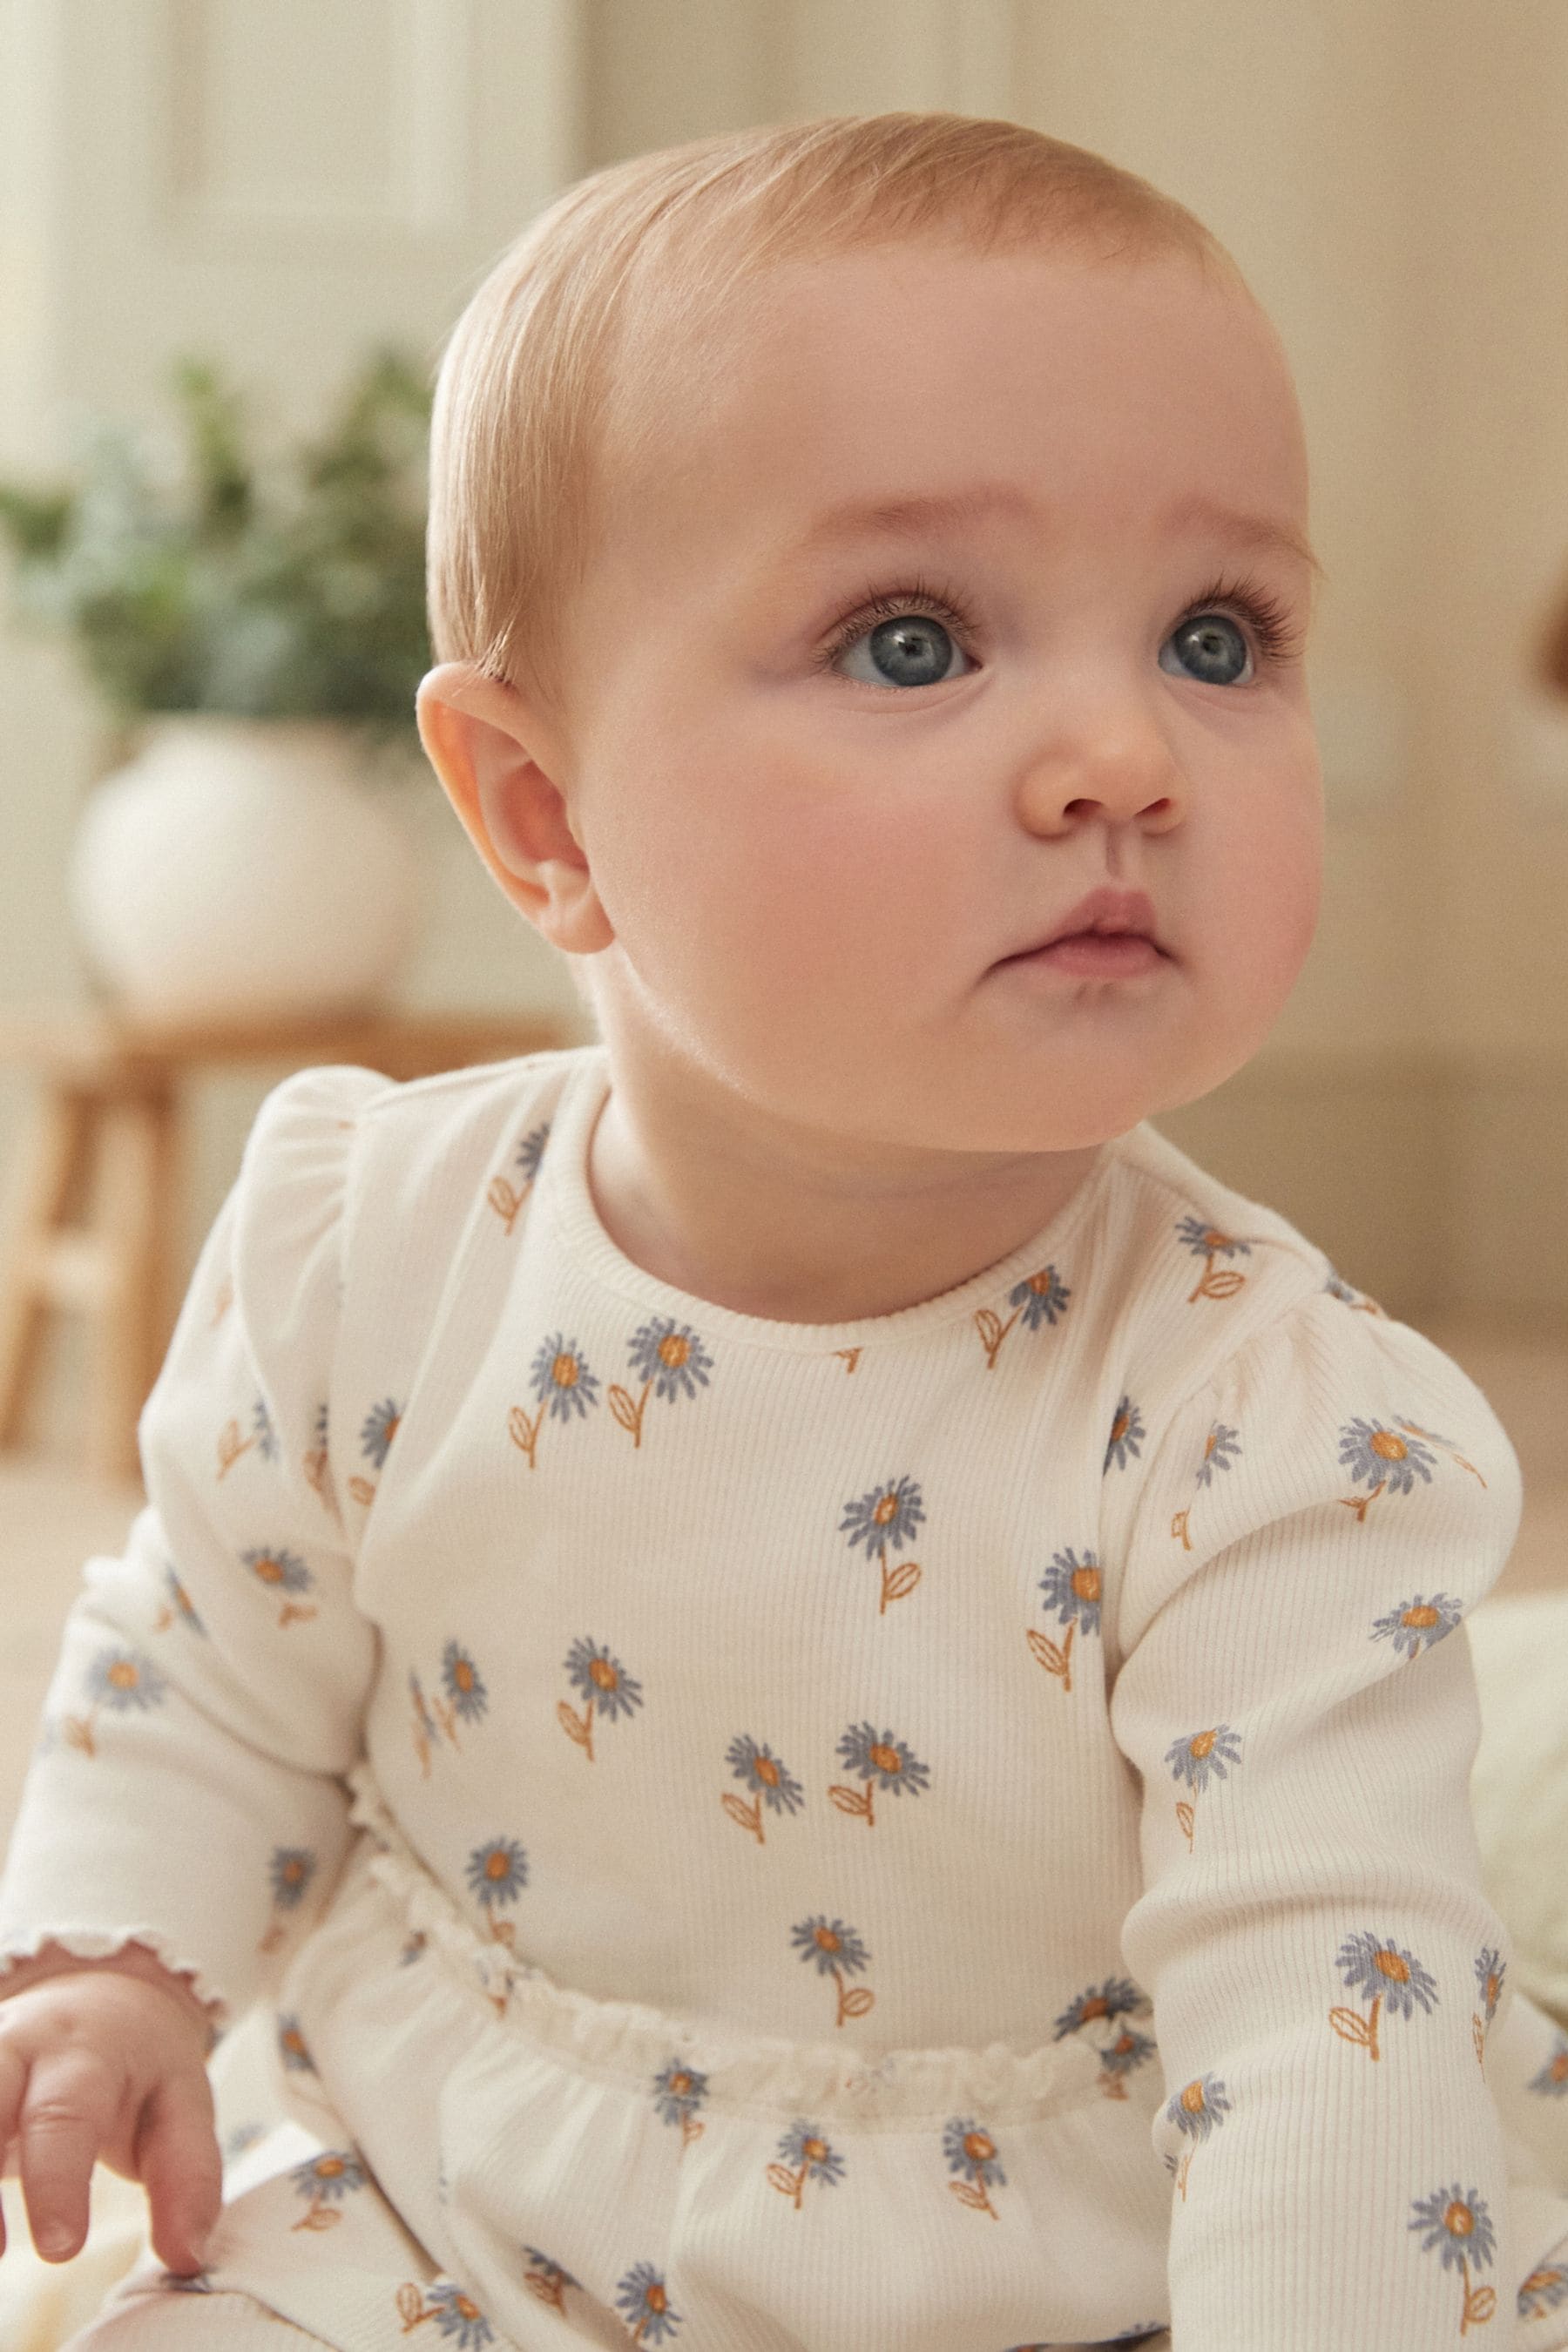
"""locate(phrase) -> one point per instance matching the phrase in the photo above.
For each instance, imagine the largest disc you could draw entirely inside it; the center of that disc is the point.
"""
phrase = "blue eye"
(1209, 647)
(910, 649)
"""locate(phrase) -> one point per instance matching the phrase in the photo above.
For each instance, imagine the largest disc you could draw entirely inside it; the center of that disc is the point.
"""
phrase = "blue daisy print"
(1126, 1436)
(1552, 2082)
(497, 1873)
(1205, 1240)
(563, 1385)
(290, 1872)
(463, 1683)
(770, 1782)
(883, 1761)
(560, 1378)
(1072, 1587)
(804, 2154)
(125, 1680)
(678, 2092)
(1490, 1970)
(1543, 2290)
(1393, 1979)
(1382, 1460)
(379, 1429)
(264, 1437)
(291, 1869)
(1197, 2111)
(837, 1952)
(545, 2278)
(1121, 2057)
(180, 1604)
(604, 1683)
(324, 2181)
(1039, 1298)
(293, 2052)
(506, 1198)
(972, 2152)
(886, 1518)
(1457, 2224)
(669, 1360)
(278, 1569)
(1116, 1997)
(1419, 1624)
(644, 2303)
(1192, 1760)
(458, 2319)
(1222, 1447)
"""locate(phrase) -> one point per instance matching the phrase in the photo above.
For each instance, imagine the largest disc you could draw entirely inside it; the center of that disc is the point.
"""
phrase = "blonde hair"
(552, 373)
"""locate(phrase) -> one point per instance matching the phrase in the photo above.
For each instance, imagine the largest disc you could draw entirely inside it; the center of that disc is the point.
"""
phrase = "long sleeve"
(187, 1787)
(1322, 1962)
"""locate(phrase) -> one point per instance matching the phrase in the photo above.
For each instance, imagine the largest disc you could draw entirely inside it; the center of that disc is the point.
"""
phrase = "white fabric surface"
(1008, 1753)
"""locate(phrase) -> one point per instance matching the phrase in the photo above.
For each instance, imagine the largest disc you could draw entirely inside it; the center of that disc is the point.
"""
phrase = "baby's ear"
(499, 764)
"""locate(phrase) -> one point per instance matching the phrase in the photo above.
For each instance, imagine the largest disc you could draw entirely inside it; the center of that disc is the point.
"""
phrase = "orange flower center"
(813, 2149)
(681, 2084)
(328, 2167)
(1387, 1447)
(766, 1769)
(1494, 1985)
(673, 1350)
(1537, 2281)
(1085, 1582)
(886, 1760)
(496, 1864)
(1120, 1427)
(1123, 2045)
(268, 1570)
(295, 2041)
(1558, 2070)
(463, 1674)
(1458, 2220)
(292, 1872)
(563, 1371)
(1210, 1442)
(978, 2147)
(1097, 2006)
(887, 1508)
(1192, 2098)
(1040, 1283)
(654, 2296)
(390, 1432)
(122, 1674)
(1202, 1742)
(826, 1937)
(464, 2308)
(604, 1674)
(1424, 1615)
(1389, 1964)
(1213, 1241)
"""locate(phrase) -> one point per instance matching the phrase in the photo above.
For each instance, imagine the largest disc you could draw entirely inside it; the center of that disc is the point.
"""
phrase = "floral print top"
(1068, 1658)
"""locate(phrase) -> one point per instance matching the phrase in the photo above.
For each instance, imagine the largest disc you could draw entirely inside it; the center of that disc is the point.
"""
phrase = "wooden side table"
(104, 1151)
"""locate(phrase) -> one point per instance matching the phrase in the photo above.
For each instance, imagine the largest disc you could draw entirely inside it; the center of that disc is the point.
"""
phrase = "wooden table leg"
(138, 1169)
(54, 1157)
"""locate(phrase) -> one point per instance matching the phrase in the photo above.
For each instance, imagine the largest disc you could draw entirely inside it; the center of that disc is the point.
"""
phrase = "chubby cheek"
(1270, 878)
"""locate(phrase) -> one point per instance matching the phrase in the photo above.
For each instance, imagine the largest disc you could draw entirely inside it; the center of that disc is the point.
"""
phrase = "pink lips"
(1109, 935)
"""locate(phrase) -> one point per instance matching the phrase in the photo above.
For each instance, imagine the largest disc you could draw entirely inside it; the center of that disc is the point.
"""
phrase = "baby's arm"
(185, 1813)
(1298, 1698)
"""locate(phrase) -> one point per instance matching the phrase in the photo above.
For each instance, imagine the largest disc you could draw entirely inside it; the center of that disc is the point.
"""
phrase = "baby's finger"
(180, 2168)
(65, 2117)
(13, 2083)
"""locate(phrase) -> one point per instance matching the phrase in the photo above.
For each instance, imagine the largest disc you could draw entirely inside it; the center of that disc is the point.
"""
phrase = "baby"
(811, 1672)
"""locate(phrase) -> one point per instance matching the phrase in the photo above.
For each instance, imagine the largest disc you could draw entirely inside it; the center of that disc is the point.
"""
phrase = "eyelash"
(1278, 638)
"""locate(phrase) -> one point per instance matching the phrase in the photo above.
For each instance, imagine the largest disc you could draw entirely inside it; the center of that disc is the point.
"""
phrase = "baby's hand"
(101, 2059)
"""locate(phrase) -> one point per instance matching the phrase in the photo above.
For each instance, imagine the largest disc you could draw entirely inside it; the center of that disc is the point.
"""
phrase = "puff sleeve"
(187, 1788)
(1298, 1698)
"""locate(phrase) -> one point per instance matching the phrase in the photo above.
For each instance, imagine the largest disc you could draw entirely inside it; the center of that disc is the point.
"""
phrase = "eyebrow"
(902, 517)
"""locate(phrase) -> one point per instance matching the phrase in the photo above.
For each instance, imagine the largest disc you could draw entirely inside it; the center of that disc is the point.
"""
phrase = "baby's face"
(831, 778)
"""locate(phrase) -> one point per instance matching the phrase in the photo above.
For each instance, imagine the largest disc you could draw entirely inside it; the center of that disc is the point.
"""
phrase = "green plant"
(292, 592)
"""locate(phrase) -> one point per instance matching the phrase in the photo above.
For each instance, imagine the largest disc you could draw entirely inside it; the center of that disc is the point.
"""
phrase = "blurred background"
(281, 192)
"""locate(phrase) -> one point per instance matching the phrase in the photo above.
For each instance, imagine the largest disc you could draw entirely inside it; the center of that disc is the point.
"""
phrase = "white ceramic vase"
(239, 869)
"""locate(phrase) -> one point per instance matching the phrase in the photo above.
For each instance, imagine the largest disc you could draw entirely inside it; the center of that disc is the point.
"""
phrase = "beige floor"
(52, 1518)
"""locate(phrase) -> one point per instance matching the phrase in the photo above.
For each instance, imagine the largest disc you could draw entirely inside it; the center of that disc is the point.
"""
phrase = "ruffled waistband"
(615, 2039)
